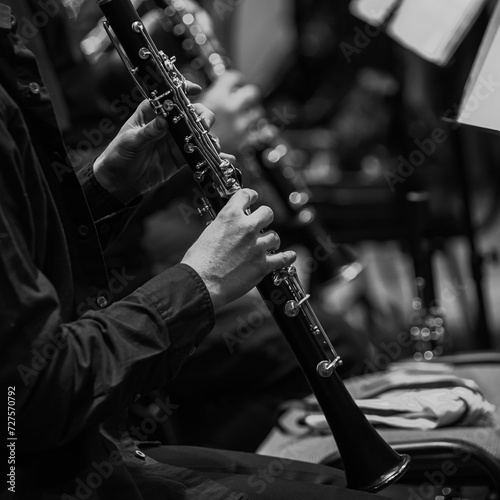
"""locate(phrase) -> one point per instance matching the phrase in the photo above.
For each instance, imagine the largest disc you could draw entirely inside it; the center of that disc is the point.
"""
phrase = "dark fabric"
(75, 364)
(258, 476)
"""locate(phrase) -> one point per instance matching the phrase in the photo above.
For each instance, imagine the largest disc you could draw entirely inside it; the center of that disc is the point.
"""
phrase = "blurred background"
(366, 101)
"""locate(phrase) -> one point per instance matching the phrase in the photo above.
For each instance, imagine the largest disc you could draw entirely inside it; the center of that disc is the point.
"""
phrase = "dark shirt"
(74, 358)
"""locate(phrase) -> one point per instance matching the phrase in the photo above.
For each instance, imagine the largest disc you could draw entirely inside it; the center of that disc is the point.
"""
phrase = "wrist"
(213, 286)
(215, 292)
(214, 289)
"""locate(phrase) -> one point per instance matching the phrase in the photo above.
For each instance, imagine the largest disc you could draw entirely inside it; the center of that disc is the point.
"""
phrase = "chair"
(452, 457)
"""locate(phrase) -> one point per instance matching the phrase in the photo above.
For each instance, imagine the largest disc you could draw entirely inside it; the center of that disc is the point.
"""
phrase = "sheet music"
(480, 104)
(433, 29)
(372, 11)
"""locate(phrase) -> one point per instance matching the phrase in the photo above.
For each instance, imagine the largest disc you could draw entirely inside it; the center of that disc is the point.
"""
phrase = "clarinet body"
(370, 463)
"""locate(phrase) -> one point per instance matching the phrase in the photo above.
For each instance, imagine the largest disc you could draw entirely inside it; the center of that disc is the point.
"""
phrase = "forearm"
(71, 376)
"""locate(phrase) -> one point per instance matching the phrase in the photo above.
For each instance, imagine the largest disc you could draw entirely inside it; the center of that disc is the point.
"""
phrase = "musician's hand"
(236, 106)
(231, 255)
(140, 157)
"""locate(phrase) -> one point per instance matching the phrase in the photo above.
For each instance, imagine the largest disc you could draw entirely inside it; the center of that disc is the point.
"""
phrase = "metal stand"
(427, 328)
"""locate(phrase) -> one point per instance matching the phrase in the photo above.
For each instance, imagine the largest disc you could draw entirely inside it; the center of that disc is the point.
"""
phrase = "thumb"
(242, 199)
(154, 130)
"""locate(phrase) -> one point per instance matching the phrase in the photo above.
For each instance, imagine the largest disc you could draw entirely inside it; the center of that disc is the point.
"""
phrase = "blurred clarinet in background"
(265, 150)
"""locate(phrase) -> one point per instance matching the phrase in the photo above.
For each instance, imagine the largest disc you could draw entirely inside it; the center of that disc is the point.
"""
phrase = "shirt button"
(34, 88)
(83, 231)
(102, 301)
(140, 454)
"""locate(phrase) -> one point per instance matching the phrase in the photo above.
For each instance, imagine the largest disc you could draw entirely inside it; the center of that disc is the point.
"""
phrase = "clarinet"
(371, 464)
(265, 152)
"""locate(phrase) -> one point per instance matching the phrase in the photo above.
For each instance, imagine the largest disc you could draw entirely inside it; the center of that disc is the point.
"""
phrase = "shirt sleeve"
(71, 374)
(105, 208)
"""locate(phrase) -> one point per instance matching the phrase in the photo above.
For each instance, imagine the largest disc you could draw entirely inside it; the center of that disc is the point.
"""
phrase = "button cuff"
(34, 88)
(102, 301)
